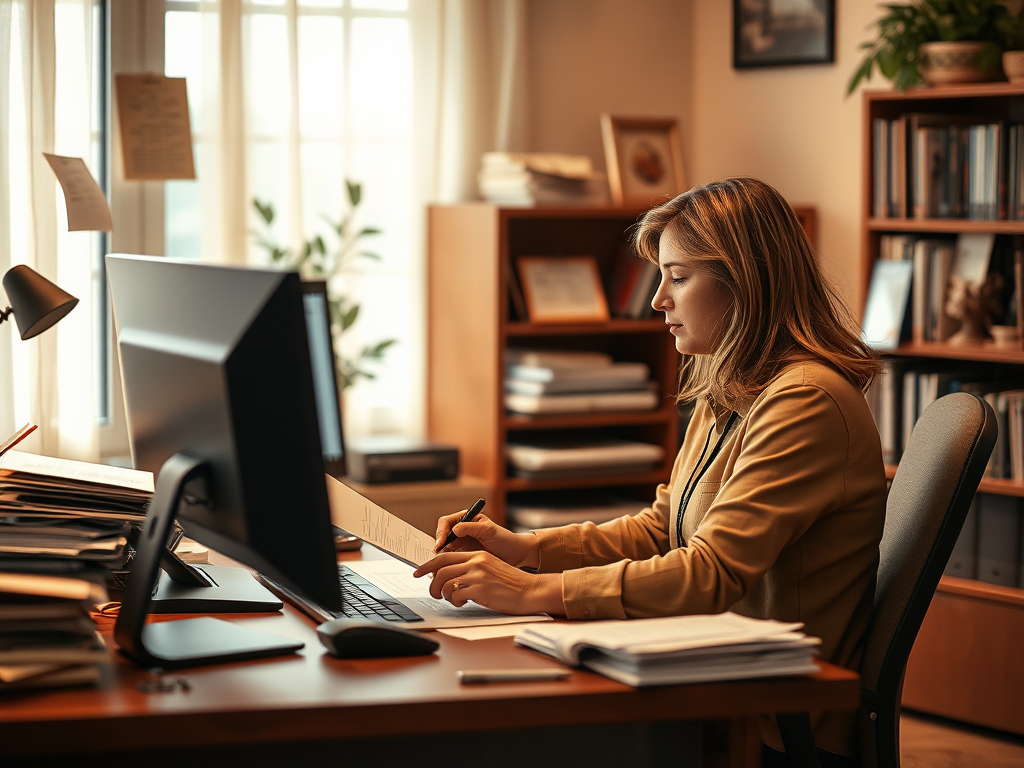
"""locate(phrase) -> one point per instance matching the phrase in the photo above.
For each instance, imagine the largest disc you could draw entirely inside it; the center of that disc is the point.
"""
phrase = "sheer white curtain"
(46, 105)
(291, 97)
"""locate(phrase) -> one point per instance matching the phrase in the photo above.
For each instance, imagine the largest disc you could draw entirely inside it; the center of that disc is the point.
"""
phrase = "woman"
(776, 501)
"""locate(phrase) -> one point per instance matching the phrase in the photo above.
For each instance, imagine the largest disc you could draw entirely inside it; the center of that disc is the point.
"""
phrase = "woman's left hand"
(488, 581)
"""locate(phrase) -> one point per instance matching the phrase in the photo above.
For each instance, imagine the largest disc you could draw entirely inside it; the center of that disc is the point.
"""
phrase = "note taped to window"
(156, 140)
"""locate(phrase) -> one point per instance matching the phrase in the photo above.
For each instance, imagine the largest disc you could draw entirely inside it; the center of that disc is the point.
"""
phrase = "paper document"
(156, 139)
(77, 471)
(396, 579)
(85, 202)
(371, 522)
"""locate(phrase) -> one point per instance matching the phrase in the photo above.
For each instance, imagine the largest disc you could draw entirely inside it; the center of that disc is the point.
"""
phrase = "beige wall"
(791, 126)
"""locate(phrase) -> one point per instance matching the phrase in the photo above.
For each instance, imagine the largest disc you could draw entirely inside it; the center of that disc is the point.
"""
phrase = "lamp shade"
(37, 303)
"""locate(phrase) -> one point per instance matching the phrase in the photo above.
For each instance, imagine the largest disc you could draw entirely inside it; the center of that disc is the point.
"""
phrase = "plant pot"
(943, 63)
(1013, 66)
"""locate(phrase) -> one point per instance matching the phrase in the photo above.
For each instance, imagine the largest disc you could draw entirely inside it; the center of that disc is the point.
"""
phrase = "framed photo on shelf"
(562, 289)
(644, 158)
(767, 34)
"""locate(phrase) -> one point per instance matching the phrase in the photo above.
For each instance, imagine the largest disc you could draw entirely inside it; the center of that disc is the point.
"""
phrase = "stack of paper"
(567, 381)
(678, 649)
(527, 179)
(535, 511)
(64, 532)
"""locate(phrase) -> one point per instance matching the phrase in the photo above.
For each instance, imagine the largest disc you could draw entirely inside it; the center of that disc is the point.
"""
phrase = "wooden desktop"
(308, 707)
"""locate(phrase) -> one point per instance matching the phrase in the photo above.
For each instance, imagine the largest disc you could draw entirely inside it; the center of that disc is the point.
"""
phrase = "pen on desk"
(510, 675)
(471, 513)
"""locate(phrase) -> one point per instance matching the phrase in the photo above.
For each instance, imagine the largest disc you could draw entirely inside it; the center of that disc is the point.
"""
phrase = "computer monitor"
(220, 404)
(325, 381)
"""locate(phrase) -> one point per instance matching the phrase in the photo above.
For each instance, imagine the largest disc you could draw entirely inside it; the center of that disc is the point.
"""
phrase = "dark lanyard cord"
(691, 483)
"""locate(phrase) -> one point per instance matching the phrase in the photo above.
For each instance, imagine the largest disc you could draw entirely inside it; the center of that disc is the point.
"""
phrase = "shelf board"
(653, 478)
(939, 92)
(655, 325)
(590, 419)
(951, 585)
(980, 352)
(987, 485)
(948, 226)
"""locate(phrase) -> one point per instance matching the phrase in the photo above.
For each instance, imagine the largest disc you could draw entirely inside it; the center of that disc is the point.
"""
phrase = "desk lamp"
(36, 303)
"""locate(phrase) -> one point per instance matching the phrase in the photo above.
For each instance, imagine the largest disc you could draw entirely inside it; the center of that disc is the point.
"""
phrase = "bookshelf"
(966, 662)
(472, 321)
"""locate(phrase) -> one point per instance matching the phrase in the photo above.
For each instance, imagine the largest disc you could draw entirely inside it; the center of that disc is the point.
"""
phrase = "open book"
(678, 649)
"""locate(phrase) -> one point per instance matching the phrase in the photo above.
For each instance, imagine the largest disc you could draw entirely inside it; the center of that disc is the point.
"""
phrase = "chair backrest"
(928, 500)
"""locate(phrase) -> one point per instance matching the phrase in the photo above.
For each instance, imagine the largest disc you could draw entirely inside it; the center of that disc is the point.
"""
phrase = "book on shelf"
(933, 264)
(678, 649)
(998, 539)
(561, 457)
(632, 285)
(616, 371)
(557, 358)
(963, 560)
(578, 402)
(886, 319)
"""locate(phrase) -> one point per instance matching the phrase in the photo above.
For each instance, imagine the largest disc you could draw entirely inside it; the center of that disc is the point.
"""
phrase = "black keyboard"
(360, 599)
(363, 599)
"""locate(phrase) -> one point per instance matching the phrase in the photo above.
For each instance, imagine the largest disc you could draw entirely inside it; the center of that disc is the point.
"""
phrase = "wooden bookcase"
(966, 663)
(471, 248)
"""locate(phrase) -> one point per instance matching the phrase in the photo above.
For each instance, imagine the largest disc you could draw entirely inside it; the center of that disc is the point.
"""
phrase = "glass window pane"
(269, 93)
(321, 81)
(183, 57)
(381, 78)
(382, 5)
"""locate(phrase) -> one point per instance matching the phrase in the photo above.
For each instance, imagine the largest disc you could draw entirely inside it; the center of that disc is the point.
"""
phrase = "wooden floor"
(931, 742)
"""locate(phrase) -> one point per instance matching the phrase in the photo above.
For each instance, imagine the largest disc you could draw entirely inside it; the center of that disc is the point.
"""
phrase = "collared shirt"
(783, 522)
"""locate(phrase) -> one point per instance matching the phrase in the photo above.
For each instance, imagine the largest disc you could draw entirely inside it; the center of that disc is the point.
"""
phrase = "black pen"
(471, 513)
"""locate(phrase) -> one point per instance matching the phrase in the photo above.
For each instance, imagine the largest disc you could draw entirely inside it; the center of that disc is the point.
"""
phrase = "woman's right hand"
(519, 549)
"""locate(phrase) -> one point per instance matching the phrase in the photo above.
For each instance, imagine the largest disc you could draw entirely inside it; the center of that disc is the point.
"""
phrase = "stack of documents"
(572, 457)
(64, 531)
(678, 649)
(527, 179)
(568, 381)
(530, 512)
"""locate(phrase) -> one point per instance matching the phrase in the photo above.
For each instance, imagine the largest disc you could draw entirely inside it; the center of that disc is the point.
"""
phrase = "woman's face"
(696, 305)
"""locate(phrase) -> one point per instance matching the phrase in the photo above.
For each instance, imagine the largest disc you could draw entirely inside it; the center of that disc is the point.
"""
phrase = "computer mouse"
(365, 639)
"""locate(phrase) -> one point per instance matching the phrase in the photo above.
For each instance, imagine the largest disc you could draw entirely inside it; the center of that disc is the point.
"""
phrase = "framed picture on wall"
(768, 33)
(644, 159)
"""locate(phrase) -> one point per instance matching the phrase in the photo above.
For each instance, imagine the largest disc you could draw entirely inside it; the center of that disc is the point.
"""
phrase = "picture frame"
(562, 289)
(644, 159)
(765, 34)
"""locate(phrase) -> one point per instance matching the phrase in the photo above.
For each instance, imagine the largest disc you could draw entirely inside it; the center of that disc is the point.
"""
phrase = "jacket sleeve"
(789, 470)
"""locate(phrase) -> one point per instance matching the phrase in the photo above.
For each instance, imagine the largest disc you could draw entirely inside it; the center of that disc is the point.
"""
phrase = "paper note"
(483, 633)
(156, 140)
(357, 514)
(85, 201)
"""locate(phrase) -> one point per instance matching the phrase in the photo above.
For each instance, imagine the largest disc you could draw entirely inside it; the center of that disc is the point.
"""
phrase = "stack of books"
(64, 532)
(528, 179)
(678, 649)
(569, 381)
(551, 510)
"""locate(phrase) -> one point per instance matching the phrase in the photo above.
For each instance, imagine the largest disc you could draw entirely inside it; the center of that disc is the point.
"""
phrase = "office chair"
(925, 510)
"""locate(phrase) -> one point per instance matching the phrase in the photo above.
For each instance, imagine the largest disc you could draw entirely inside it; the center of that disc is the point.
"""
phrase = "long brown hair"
(746, 235)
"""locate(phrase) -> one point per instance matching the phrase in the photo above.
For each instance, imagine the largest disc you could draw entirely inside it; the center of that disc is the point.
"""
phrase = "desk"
(311, 709)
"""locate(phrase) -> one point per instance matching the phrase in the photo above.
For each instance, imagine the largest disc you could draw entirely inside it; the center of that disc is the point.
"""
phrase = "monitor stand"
(204, 588)
(185, 642)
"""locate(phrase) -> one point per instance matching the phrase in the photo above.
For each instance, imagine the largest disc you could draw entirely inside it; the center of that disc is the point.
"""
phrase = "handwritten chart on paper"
(156, 139)
(357, 514)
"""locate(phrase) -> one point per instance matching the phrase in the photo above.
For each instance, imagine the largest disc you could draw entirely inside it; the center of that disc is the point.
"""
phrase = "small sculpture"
(974, 306)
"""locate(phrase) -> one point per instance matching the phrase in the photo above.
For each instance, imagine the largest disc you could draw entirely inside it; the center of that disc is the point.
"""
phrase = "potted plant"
(935, 41)
(1011, 30)
(318, 260)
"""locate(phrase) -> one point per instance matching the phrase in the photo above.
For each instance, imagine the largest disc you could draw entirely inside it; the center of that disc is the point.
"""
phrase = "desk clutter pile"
(528, 179)
(65, 528)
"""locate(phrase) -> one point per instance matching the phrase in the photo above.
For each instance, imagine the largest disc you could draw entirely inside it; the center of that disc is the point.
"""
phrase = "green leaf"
(368, 231)
(265, 210)
(355, 192)
(349, 317)
(371, 255)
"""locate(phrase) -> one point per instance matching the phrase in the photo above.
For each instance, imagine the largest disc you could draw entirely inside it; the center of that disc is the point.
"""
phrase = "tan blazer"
(782, 521)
